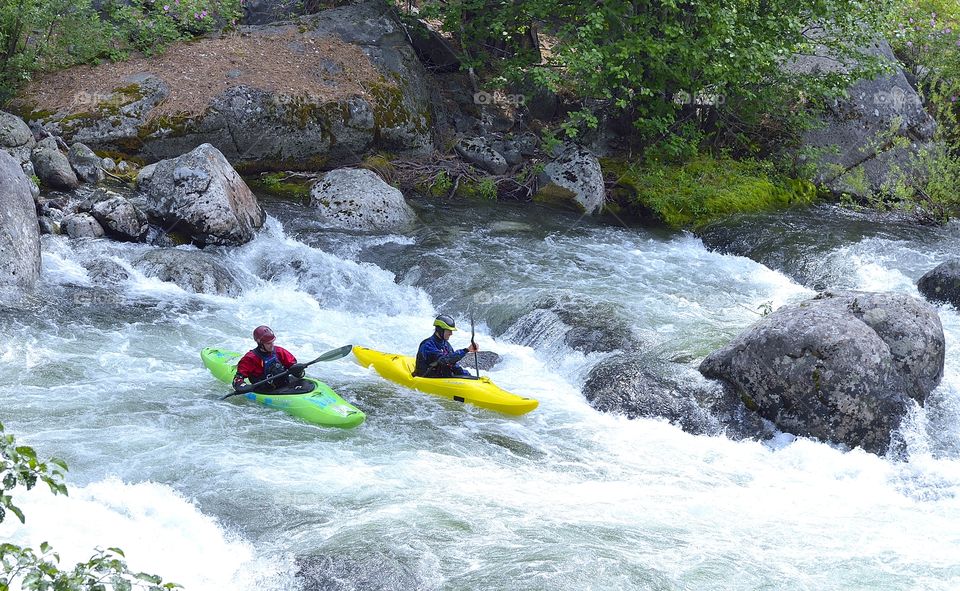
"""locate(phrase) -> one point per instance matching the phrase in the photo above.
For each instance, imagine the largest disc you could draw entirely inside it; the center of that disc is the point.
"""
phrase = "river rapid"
(428, 494)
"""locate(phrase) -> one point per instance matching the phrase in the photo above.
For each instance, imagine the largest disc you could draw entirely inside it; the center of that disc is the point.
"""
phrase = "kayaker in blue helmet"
(436, 358)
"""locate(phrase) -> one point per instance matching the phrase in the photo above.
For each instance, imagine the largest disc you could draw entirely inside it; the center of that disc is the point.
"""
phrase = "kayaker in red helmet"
(267, 360)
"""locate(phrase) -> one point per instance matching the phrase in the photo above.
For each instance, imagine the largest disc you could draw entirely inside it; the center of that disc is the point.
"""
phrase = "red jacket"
(251, 366)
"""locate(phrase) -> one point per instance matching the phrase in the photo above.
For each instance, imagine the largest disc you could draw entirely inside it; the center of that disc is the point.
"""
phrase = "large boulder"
(942, 283)
(15, 137)
(52, 166)
(350, 82)
(192, 270)
(855, 145)
(573, 179)
(358, 199)
(199, 194)
(19, 230)
(120, 218)
(840, 367)
(85, 163)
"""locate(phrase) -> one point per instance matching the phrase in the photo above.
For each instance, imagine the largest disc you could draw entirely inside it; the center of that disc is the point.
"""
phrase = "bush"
(25, 569)
(925, 35)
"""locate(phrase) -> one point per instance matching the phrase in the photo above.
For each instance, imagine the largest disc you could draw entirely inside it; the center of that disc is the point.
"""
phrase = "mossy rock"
(702, 190)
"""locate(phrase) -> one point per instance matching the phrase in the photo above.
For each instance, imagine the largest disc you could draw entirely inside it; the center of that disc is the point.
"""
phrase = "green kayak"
(309, 399)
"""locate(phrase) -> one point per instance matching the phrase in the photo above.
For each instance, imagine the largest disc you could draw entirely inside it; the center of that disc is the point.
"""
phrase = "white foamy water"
(427, 494)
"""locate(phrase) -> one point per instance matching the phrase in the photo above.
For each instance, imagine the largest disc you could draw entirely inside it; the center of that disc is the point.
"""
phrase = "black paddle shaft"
(476, 362)
(328, 356)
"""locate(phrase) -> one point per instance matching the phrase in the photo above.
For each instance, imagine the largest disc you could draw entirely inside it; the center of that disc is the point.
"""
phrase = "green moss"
(282, 185)
(749, 402)
(260, 165)
(379, 163)
(558, 196)
(702, 190)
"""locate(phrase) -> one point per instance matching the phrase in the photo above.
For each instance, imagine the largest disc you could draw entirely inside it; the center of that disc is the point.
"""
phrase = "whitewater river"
(223, 495)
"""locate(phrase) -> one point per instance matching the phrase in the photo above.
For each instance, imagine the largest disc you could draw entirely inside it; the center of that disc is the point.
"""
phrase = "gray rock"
(85, 163)
(15, 137)
(19, 230)
(81, 225)
(358, 199)
(193, 270)
(573, 321)
(201, 195)
(274, 131)
(477, 152)
(432, 49)
(52, 167)
(120, 218)
(487, 360)
(942, 283)
(106, 272)
(854, 136)
(639, 387)
(840, 367)
(108, 164)
(573, 179)
(263, 12)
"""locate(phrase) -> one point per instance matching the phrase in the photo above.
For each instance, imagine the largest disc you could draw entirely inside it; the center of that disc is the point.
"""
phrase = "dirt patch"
(282, 62)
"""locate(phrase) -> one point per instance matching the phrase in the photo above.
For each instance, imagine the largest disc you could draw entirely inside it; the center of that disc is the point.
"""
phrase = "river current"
(428, 494)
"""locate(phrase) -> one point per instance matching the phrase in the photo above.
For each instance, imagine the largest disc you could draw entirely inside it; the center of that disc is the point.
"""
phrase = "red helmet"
(263, 334)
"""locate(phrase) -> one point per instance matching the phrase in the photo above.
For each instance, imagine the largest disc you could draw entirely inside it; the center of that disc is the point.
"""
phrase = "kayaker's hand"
(243, 388)
(297, 369)
(473, 348)
(238, 383)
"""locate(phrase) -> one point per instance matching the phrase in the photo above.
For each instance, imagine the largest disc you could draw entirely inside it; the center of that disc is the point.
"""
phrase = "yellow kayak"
(482, 392)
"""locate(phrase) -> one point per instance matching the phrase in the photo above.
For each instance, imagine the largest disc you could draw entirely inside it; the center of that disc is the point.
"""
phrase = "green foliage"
(925, 35)
(674, 68)
(441, 184)
(23, 568)
(705, 189)
(44, 35)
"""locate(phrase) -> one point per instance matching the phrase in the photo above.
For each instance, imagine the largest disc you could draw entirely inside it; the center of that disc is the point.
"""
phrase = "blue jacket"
(437, 359)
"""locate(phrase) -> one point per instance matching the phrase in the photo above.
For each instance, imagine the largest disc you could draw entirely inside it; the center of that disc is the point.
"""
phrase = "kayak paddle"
(328, 356)
(476, 363)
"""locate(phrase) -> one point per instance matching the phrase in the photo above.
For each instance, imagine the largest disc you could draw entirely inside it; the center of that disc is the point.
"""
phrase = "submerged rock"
(582, 325)
(193, 270)
(942, 284)
(639, 387)
(840, 367)
(372, 571)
